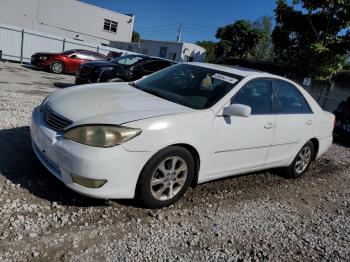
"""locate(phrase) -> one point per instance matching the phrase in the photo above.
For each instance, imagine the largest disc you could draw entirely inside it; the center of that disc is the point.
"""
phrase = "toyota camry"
(184, 125)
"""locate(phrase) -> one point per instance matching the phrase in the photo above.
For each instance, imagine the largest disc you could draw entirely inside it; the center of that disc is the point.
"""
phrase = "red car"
(65, 62)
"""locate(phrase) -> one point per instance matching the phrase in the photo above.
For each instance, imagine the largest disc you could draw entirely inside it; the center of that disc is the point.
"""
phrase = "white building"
(179, 52)
(68, 18)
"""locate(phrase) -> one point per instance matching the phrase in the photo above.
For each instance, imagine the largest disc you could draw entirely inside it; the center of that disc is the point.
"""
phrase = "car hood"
(109, 103)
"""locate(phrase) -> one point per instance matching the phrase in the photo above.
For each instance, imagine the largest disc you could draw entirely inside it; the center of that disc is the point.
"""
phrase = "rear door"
(295, 122)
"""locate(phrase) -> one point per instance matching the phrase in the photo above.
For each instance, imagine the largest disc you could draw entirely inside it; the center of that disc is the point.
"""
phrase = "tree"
(264, 49)
(311, 37)
(135, 37)
(210, 47)
(238, 40)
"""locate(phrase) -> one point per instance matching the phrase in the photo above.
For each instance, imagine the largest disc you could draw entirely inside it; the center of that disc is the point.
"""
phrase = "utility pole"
(178, 38)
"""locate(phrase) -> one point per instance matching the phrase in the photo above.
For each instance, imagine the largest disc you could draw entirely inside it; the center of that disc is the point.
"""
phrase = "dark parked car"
(342, 126)
(124, 68)
(65, 62)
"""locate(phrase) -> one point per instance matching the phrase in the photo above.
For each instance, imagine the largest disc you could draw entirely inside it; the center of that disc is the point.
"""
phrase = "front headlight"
(101, 135)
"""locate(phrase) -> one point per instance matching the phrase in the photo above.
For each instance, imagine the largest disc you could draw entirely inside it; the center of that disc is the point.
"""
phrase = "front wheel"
(301, 162)
(57, 67)
(166, 177)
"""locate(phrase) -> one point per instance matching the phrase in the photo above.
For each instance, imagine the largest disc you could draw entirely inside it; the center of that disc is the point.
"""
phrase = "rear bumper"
(64, 158)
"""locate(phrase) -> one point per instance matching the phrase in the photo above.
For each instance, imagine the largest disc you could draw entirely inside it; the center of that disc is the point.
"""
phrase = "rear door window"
(163, 64)
(96, 56)
(289, 100)
(84, 56)
(151, 66)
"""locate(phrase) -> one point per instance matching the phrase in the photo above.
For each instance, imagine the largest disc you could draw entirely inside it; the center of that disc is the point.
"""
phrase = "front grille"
(54, 120)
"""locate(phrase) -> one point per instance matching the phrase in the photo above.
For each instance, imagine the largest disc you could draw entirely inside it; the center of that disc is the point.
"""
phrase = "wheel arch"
(193, 151)
(196, 159)
(316, 144)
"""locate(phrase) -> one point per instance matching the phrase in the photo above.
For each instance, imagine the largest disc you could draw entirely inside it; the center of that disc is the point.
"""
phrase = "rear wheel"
(301, 162)
(166, 177)
(57, 67)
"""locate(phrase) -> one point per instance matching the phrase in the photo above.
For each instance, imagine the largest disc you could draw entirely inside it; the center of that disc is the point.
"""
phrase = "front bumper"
(39, 63)
(64, 158)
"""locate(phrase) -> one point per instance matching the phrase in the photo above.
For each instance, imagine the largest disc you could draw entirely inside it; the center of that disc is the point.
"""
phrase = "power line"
(196, 26)
(160, 29)
(200, 30)
(203, 26)
(164, 32)
(196, 33)
(157, 26)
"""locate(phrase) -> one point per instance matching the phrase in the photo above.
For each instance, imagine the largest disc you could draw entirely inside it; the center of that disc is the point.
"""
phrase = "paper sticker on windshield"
(228, 79)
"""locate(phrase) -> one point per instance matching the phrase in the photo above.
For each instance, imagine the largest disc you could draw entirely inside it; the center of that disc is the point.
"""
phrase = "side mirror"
(73, 56)
(237, 110)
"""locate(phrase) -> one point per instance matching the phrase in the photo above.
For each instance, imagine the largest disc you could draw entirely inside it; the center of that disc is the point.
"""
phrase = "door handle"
(268, 125)
(309, 122)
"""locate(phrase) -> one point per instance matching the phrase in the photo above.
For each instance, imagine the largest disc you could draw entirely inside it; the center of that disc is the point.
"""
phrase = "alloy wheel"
(169, 178)
(57, 67)
(303, 160)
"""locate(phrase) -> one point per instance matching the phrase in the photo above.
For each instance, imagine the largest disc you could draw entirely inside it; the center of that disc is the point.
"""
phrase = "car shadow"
(36, 68)
(19, 165)
(63, 85)
(32, 67)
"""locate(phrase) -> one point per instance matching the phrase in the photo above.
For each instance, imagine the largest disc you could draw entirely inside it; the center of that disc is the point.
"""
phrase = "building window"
(110, 26)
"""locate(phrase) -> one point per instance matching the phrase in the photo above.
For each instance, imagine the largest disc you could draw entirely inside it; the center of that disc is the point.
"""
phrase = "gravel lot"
(254, 217)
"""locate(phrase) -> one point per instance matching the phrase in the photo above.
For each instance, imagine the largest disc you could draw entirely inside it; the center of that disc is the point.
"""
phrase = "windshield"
(127, 60)
(192, 86)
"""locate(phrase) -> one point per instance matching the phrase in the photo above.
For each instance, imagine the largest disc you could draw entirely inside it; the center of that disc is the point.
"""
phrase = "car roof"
(241, 71)
(149, 57)
(83, 50)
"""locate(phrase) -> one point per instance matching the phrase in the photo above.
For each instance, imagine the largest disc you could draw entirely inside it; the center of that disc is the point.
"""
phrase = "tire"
(57, 67)
(168, 187)
(301, 162)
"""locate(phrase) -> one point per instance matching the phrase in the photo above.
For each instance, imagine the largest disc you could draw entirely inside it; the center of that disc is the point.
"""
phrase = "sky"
(160, 19)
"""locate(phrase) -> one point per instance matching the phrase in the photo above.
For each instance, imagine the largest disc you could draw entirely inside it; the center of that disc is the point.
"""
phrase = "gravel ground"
(254, 217)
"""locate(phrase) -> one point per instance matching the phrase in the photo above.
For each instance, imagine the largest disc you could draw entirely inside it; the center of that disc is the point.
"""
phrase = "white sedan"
(184, 125)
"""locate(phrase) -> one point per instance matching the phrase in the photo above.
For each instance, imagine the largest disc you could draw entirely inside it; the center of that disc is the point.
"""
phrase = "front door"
(243, 142)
